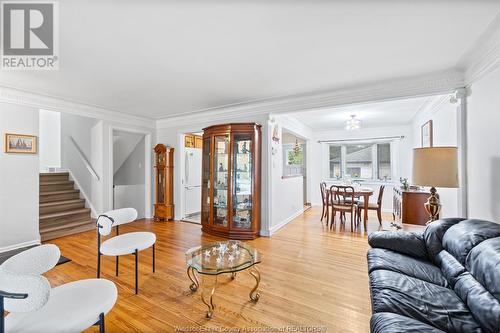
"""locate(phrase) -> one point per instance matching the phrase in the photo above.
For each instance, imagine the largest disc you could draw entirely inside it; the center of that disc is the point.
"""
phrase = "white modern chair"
(34, 307)
(119, 245)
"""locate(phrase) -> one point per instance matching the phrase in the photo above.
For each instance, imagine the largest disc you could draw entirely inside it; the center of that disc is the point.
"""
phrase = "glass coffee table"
(227, 257)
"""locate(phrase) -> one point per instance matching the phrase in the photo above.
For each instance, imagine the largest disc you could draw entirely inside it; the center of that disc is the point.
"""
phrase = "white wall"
(19, 180)
(131, 171)
(81, 130)
(483, 148)
(287, 194)
(129, 181)
(444, 121)
(95, 139)
(49, 143)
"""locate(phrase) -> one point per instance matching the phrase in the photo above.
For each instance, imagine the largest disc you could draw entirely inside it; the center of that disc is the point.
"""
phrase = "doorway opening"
(129, 175)
(295, 160)
(191, 153)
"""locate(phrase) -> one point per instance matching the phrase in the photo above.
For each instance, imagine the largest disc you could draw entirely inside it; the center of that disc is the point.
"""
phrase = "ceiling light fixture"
(353, 123)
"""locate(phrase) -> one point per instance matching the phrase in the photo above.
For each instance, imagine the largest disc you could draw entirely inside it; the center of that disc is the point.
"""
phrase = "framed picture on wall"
(20, 144)
(426, 134)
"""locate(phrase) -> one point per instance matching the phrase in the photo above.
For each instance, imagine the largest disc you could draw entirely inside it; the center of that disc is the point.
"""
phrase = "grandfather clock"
(164, 180)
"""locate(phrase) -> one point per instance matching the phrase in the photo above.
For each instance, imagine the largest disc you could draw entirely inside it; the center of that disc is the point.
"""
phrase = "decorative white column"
(460, 98)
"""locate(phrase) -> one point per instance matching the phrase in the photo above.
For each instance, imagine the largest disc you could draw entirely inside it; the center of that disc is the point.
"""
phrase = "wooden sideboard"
(408, 206)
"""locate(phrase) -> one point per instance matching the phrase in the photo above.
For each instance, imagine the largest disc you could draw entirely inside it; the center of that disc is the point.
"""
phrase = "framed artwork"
(20, 144)
(426, 134)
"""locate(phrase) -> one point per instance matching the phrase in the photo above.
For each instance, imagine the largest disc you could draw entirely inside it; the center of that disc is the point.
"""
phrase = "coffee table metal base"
(208, 299)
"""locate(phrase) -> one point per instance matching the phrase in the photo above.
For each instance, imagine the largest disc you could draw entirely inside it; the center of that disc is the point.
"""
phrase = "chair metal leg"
(98, 265)
(153, 258)
(101, 323)
(136, 272)
(116, 268)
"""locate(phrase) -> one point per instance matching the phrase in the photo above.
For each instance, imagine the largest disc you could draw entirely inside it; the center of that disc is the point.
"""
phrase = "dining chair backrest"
(105, 222)
(342, 195)
(324, 194)
(380, 195)
(21, 274)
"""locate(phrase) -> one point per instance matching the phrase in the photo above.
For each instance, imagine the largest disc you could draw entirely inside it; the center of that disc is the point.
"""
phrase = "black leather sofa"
(444, 280)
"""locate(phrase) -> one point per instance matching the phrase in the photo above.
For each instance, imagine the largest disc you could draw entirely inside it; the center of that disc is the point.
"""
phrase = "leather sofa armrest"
(400, 241)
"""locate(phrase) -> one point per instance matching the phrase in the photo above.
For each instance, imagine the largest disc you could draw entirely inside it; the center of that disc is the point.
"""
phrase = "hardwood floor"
(311, 275)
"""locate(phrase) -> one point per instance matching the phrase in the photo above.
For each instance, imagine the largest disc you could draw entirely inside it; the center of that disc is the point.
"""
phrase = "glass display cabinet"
(164, 177)
(231, 180)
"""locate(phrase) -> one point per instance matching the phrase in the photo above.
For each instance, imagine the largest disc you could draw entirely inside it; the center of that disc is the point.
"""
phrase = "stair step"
(62, 211)
(65, 229)
(64, 215)
(60, 185)
(59, 195)
(54, 176)
(61, 205)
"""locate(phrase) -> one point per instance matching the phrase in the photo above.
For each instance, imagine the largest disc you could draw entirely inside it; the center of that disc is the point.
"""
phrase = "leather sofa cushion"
(462, 237)
(483, 262)
(484, 307)
(450, 267)
(397, 262)
(423, 301)
(433, 235)
(385, 322)
(405, 242)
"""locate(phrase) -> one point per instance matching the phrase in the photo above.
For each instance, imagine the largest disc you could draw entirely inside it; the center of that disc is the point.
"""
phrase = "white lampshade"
(435, 166)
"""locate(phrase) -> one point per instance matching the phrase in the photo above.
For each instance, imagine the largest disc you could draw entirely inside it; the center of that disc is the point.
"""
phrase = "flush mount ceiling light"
(353, 123)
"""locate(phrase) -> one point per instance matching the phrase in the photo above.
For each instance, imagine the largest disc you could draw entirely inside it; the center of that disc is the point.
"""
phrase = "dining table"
(365, 193)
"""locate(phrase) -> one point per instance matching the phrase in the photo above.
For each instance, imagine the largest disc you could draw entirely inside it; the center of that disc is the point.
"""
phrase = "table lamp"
(435, 167)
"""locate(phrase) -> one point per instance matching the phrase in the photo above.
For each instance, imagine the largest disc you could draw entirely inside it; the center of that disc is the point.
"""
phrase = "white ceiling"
(380, 114)
(162, 58)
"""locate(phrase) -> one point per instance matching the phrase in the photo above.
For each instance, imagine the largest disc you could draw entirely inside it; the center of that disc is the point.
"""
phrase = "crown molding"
(431, 84)
(484, 55)
(20, 97)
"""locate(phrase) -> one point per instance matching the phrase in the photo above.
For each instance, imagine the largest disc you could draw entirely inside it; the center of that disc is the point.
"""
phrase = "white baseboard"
(19, 245)
(272, 230)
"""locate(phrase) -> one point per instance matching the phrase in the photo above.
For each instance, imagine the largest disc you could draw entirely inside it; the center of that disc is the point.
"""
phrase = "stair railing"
(84, 160)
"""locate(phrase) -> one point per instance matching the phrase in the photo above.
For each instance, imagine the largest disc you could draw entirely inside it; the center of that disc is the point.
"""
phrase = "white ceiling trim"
(422, 85)
(20, 97)
(484, 55)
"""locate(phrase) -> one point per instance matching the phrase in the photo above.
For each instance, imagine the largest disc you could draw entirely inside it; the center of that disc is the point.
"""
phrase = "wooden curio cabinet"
(231, 180)
(164, 186)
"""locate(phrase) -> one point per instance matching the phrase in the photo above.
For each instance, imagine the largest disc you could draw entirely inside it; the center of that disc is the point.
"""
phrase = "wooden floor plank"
(311, 275)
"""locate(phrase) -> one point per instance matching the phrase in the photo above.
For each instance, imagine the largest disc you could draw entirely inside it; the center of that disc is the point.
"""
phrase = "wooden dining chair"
(325, 200)
(342, 200)
(374, 206)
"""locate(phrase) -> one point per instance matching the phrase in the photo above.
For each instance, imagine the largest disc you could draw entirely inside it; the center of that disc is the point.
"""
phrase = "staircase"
(62, 212)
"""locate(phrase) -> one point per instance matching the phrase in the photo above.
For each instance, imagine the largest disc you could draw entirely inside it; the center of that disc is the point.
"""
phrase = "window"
(360, 161)
(293, 159)
(335, 161)
(384, 161)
